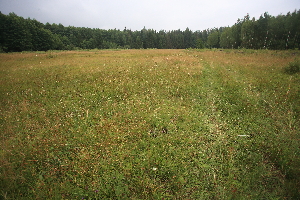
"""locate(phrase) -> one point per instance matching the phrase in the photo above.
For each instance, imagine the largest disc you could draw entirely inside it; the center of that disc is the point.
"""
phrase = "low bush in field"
(292, 68)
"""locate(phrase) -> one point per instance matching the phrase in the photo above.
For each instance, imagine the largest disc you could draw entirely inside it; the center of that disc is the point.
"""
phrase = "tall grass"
(149, 124)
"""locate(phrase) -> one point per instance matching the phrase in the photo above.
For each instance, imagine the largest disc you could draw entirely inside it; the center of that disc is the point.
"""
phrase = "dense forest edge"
(268, 32)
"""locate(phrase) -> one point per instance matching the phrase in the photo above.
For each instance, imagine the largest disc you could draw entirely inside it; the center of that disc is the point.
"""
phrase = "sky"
(151, 14)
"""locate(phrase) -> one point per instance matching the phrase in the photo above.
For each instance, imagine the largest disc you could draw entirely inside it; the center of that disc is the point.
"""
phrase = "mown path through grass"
(149, 124)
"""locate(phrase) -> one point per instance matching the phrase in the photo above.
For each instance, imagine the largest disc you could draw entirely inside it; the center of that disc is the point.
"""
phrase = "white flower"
(154, 168)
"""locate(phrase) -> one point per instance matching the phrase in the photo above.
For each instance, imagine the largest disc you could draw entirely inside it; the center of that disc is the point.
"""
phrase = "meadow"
(150, 124)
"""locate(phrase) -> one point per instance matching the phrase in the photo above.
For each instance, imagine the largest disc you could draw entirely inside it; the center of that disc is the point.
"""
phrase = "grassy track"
(149, 124)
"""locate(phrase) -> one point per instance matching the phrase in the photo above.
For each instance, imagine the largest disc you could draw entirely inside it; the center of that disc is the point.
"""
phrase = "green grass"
(149, 124)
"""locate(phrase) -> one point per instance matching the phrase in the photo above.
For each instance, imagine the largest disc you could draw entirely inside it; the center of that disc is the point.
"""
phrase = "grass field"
(149, 124)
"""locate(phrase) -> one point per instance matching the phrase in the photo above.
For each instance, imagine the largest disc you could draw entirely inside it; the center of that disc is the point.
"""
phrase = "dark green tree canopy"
(268, 32)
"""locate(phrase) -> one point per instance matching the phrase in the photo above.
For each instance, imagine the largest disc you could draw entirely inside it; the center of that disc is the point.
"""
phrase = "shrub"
(292, 68)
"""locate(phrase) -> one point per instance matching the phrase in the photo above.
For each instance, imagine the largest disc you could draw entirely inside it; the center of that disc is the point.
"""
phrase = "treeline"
(267, 32)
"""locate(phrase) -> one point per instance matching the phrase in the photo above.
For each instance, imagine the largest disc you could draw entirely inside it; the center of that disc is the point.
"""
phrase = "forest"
(268, 32)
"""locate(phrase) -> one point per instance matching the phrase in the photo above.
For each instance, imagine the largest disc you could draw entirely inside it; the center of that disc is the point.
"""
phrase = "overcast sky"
(153, 14)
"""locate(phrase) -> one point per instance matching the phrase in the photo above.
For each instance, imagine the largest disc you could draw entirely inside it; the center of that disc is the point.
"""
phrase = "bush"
(292, 68)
